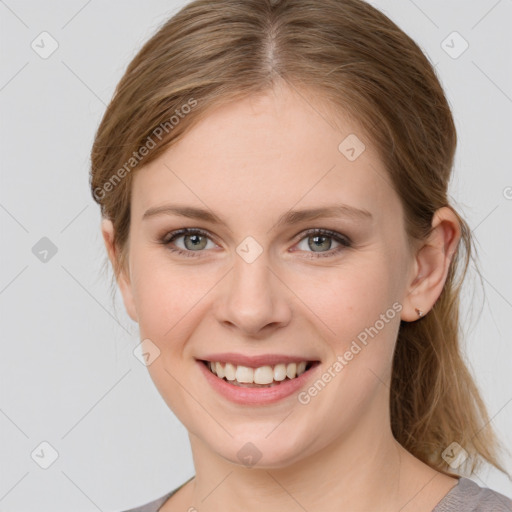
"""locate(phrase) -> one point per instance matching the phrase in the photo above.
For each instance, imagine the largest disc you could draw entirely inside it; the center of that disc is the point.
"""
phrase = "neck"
(359, 471)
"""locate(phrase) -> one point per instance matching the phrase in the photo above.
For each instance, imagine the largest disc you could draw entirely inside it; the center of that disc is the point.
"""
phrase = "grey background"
(68, 373)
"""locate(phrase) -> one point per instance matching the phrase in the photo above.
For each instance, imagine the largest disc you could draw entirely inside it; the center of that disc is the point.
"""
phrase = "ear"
(123, 280)
(431, 265)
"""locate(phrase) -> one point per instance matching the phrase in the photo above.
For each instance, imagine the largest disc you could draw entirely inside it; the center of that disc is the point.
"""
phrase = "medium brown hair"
(362, 64)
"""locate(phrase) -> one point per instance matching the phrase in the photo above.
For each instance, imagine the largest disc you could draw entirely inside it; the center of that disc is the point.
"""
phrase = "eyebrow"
(288, 218)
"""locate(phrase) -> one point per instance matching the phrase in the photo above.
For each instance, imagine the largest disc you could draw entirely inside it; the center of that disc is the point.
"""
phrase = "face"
(266, 279)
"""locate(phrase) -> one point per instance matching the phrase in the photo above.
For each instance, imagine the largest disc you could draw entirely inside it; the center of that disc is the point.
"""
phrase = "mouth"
(266, 376)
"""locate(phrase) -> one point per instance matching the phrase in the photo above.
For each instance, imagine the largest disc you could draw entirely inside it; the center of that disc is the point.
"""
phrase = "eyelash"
(344, 241)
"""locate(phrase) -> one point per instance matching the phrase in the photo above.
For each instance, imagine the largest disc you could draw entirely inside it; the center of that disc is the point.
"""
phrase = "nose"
(253, 299)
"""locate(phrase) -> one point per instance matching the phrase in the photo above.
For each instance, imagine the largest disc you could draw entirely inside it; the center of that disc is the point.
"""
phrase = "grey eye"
(319, 242)
(195, 242)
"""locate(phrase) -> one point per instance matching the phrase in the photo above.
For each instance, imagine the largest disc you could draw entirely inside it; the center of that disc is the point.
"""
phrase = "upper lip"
(255, 361)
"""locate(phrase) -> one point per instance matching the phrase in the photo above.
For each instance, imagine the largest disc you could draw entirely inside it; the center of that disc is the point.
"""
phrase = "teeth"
(291, 370)
(219, 370)
(279, 372)
(261, 375)
(244, 374)
(229, 371)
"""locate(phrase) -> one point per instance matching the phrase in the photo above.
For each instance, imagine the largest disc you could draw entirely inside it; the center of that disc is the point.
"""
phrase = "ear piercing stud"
(420, 313)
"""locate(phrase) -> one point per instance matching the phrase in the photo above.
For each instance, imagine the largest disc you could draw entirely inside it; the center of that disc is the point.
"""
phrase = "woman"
(273, 183)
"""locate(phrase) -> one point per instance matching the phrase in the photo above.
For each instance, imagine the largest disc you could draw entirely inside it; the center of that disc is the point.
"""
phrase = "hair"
(362, 64)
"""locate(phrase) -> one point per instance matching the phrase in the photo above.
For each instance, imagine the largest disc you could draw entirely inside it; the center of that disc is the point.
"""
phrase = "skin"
(249, 162)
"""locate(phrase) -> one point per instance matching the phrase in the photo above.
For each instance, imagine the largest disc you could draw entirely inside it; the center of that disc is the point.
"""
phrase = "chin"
(260, 452)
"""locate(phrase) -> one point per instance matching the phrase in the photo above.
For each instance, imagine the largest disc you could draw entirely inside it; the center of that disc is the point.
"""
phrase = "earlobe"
(123, 280)
(432, 263)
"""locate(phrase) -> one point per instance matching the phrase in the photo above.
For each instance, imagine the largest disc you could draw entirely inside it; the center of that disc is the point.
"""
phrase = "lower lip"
(253, 396)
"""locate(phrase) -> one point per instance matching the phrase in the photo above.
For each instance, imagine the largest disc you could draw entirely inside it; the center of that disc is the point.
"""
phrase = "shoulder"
(467, 496)
(154, 505)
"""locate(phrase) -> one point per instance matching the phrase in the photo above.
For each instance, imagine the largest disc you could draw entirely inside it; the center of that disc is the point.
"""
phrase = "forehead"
(267, 152)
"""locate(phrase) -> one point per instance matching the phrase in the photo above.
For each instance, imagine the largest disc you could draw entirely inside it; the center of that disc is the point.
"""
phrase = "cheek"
(156, 295)
(348, 300)
(168, 298)
(169, 307)
(359, 318)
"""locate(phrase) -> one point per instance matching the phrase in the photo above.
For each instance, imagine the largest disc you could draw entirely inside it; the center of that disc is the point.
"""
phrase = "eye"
(320, 241)
(317, 242)
(194, 240)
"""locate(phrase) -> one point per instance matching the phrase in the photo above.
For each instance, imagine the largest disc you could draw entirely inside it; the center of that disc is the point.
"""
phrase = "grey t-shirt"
(466, 496)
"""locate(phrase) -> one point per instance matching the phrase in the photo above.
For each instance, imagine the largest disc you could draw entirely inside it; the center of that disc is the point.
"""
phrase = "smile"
(256, 380)
(262, 376)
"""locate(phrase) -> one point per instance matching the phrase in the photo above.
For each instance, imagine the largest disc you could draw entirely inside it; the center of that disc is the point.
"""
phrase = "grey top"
(466, 496)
